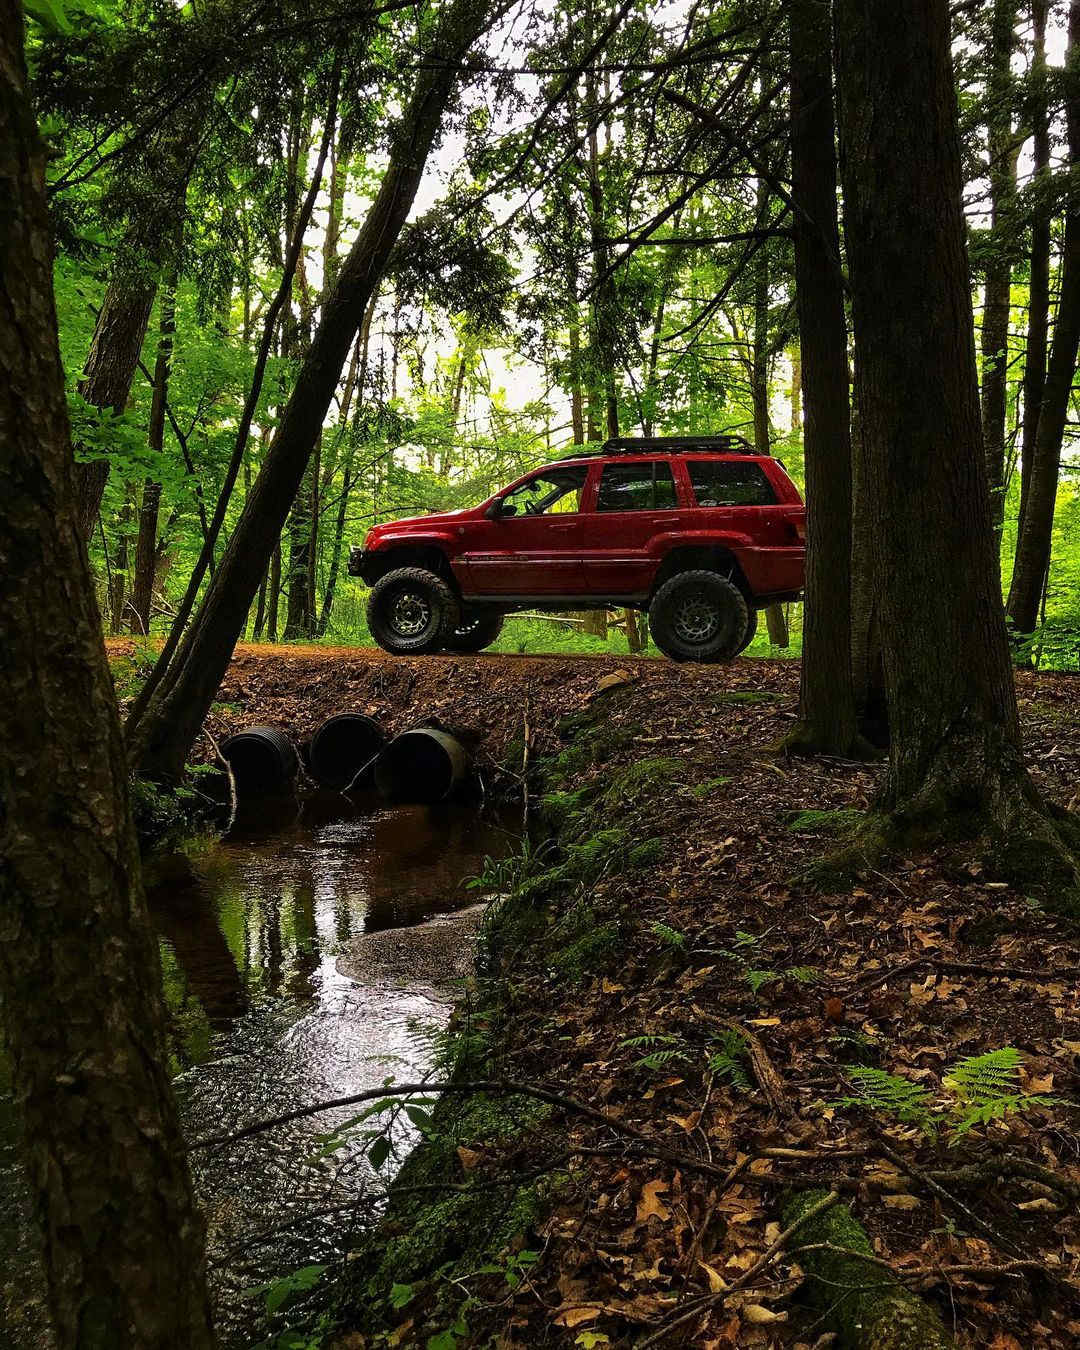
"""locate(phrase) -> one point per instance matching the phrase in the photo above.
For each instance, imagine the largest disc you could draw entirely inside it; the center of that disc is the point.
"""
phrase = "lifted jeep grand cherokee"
(698, 530)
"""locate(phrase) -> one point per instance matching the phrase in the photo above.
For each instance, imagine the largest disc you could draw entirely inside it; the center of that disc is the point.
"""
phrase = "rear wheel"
(476, 631)
(412, 611)
(699, 616)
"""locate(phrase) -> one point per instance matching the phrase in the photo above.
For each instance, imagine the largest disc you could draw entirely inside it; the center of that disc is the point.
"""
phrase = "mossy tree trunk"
(878, 1313)
(79, 976)
(956, 761)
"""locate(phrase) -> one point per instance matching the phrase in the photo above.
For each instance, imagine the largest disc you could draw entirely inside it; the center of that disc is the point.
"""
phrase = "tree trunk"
(956, 762)
(1039, 274)
(797, 377)
(775, 619)
(827, 698)
(1033, 546)
(172, 720)
(146, 545)
(275, 592)
(108, 375)
(997, 289)
(867, 659)
(79, 976)
(121, 564)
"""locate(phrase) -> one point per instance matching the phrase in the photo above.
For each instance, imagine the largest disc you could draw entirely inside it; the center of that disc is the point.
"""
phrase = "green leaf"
(400, 1295)
(379, 1151)
(50, 14)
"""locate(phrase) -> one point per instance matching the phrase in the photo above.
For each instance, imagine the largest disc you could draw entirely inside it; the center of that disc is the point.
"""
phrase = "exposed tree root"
(1029, 843)
(805, 740)
(859, 1299)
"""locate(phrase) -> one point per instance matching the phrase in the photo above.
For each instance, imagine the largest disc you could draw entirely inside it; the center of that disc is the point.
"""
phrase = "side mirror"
(499, 509)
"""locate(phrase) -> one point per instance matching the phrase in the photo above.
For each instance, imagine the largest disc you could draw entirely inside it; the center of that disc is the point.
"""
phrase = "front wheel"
(699, 616)
(411, 611)
(476, 631)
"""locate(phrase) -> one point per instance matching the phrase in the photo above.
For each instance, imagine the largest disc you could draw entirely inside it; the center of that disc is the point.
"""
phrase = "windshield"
(554, 491)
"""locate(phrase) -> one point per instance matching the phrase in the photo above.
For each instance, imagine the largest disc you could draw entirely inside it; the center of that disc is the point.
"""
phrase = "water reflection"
(262, 1021)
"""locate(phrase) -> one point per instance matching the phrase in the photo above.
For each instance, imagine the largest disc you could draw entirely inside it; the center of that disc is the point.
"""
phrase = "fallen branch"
(877, 977)
(947, 1198)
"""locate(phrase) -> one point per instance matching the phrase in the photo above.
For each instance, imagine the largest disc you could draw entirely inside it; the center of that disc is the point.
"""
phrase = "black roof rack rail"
(727, 442)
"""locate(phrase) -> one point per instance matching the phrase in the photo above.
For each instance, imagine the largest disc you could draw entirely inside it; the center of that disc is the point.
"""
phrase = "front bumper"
(356, 562)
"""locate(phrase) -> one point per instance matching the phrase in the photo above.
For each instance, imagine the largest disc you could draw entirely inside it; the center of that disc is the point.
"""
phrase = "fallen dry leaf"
(650, 1202)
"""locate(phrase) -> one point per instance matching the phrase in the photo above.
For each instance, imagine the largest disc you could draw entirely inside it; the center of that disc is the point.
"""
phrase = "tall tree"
(78, 961)
(1032, 563)
(827, 698)
(1039, 266)
(956, 760)
(1002, 149)
(171, 721)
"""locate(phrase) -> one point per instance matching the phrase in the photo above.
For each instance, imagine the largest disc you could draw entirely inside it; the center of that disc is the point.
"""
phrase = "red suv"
(698, 530)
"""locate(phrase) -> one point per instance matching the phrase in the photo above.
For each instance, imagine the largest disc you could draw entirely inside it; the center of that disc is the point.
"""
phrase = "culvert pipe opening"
(422, 765)
(262, 760)
(342, 747)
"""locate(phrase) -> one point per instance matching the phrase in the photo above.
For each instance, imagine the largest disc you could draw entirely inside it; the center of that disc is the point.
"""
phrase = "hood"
(417, 522)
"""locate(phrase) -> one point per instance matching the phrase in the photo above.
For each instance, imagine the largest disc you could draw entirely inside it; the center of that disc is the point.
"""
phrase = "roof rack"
(728, 443)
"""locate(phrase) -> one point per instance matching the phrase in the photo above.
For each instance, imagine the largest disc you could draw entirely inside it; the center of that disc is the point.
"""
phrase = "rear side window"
(727, 482)
(640, 486)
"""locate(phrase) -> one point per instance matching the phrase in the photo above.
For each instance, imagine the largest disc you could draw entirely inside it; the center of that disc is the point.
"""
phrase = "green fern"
(756, 978)
(983, 1088)
(803, 974)
(889, 1094)
(987, 1088)
(980, 1078)
(662, 1050)
(724, 1062)
(670, 937)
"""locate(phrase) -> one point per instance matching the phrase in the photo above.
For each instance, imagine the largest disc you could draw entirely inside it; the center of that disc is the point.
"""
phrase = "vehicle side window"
(639, 486)
(726, 482)
(554, 492)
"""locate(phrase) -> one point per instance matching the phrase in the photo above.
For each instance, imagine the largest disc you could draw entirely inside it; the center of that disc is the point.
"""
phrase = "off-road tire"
(751, 630)
(699, 616)
(411, 611)
(476, 631)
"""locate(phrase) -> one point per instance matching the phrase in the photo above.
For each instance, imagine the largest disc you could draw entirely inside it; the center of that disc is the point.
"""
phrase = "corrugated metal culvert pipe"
(344, 748)
(263, 762)
(421, 765)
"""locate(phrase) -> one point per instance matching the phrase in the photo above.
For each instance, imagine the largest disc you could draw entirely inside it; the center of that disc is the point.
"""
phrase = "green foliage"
(670, 937)
(836, 822)
(726, 1060)
(981, 1089)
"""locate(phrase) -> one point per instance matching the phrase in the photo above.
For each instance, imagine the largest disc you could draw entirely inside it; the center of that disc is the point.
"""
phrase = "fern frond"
(986, 1078)
(887, 1092)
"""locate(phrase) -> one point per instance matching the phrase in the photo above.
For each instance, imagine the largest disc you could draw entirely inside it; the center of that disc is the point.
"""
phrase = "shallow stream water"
(261, 1021)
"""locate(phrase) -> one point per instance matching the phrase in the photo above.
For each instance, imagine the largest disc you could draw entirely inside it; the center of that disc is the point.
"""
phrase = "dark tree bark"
(1036, 535)
(78, 962)
(827, 699)
(1039, 273)
(146, 550)
(956, 761)
(108, 374)
(172, 720)
(1003, 147)
(775, 619)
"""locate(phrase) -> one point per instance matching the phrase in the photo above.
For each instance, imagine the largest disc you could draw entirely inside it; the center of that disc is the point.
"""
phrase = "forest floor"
(656, 952)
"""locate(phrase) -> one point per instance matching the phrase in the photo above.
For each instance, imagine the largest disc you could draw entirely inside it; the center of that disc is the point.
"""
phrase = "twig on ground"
(765, 1259)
